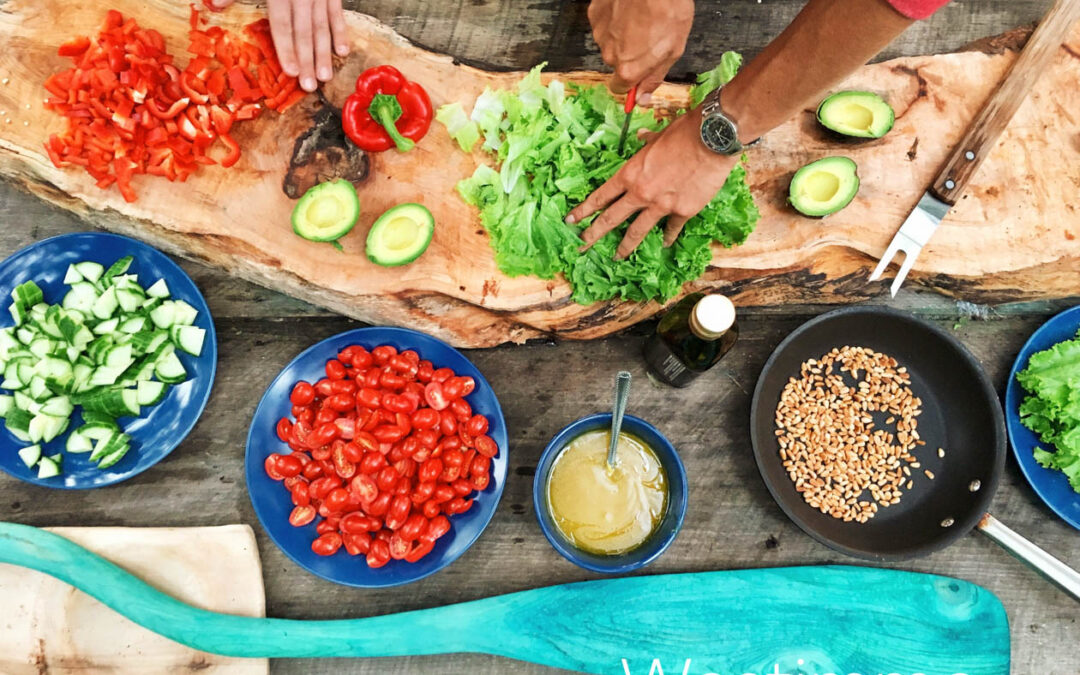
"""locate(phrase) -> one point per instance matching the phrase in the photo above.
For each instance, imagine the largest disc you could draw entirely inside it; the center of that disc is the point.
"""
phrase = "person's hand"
(674, 175)
(303, 31)
(641, 40)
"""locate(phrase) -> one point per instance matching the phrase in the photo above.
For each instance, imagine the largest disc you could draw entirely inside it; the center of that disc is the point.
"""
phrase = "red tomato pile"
(130, 110)
(384, 448)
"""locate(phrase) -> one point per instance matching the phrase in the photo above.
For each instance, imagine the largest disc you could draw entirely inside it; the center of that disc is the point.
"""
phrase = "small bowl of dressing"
(610, 520)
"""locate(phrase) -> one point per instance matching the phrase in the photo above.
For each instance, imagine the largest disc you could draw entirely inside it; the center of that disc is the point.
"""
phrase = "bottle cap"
(713, 316)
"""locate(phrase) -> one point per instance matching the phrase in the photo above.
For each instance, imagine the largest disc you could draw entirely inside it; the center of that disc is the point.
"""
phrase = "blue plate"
(161, 427)
(1052, 486)
(272, 501)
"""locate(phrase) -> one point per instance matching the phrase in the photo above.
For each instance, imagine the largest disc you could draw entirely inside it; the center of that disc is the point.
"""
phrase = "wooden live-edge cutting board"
(1014, 236)
(46, 626)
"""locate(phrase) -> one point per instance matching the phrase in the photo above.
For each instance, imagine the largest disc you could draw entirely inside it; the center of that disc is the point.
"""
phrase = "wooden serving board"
(50, 627)
(1014, 236)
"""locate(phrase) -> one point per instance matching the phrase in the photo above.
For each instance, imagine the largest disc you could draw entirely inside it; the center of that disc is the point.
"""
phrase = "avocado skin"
(417, 213)
(875, 103)
(339, 185)
(825, 163)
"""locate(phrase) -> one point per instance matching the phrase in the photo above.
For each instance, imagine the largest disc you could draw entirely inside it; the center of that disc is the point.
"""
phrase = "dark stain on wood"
(323, 153)
(913, 151)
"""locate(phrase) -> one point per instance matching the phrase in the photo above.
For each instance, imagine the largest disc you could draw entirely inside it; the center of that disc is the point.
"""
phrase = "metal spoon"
(622, 394)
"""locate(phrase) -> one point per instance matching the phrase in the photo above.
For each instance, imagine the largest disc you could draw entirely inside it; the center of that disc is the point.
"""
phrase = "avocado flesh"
(824, 187)
(400, 235)
(327, 211)
(859, 114)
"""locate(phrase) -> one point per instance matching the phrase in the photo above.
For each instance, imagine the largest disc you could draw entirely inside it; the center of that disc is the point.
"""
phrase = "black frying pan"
(961, 414)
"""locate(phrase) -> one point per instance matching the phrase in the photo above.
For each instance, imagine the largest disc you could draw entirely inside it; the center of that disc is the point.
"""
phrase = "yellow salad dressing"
(602, 510)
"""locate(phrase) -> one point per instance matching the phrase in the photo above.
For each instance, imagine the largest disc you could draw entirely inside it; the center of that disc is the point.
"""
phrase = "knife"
(979, 140)
(628, 108)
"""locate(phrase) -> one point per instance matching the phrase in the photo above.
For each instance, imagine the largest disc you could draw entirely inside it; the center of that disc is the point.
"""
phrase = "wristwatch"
(718, 131)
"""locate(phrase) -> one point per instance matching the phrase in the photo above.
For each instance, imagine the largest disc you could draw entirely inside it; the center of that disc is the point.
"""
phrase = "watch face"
(719, 134)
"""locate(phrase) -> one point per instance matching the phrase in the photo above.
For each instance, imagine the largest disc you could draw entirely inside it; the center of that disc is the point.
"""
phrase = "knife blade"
(628, 108)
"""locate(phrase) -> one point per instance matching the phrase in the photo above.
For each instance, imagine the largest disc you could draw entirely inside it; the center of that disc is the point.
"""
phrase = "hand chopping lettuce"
(1052, 408)
(553, 145)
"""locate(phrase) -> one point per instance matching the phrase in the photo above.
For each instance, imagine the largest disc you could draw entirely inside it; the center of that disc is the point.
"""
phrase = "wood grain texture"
(50, 627)
(238, 219)
(815, 617)
(981, 136)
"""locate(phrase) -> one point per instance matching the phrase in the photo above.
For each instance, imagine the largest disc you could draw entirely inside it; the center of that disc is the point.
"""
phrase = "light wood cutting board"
(48, 626)
(1015, 235)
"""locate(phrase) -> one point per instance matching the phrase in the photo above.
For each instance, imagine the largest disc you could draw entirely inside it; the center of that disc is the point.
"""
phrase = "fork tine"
(909, 261)
(883, 264)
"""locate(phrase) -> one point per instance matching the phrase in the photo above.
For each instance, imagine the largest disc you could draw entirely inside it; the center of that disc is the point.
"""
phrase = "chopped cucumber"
(114, 456)
(164, 315)
(27, 294)
(7, 401)
(107, 327)
(169, 369)
(106, 304)
(77, 442)
(119, 267)
(158, 289)
(48, 467)
(30, 455)
(185, 313)
(189, 338)
(82, 297)
(150, 393)
(72, 276)
(91, 271)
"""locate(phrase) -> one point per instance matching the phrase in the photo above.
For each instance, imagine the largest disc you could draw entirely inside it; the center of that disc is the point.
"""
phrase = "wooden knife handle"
(987, 126)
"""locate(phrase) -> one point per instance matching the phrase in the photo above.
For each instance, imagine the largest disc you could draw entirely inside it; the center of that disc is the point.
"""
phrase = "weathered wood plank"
(515, 34)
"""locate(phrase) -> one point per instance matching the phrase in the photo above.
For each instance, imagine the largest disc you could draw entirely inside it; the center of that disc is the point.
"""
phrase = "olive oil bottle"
(696, 333)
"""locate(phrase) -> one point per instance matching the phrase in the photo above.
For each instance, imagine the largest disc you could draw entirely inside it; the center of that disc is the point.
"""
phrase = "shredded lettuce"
(463, 130)
(552, 146)
(1052, 408)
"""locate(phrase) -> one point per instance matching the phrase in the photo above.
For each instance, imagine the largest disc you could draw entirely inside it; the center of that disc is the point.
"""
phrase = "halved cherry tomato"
(302, 515)
(435, 396)
(356, 544)
(335, 369)
(436, 527)
(486, 446)
(379, 554)
(383, 353)
(270, 465)
(284, 428)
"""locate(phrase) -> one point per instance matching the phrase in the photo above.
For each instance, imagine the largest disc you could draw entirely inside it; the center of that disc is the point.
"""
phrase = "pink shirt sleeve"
(917, 9)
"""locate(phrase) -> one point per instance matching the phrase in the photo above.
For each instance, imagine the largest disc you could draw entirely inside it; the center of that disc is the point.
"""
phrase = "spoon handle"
(622, 394)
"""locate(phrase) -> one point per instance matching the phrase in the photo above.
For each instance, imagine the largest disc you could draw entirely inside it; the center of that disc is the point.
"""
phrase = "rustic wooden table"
(731, 523)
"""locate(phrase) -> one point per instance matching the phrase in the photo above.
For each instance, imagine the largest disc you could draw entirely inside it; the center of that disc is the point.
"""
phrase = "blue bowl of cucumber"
(108, 356)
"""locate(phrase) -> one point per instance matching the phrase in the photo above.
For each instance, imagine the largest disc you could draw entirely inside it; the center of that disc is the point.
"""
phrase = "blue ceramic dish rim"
(502, 441)
(1037, 476)
(567, 551)
(211, 341)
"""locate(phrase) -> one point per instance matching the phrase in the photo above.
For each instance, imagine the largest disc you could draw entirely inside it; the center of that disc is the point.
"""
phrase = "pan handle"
(1055, 571)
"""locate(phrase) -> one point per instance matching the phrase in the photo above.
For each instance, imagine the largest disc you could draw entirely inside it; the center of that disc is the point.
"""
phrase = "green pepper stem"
(386, 110)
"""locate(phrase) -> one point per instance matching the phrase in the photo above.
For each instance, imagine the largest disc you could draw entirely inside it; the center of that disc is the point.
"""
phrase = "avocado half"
(327, 211)
(858, 114)
(824, 186)
(400, 235)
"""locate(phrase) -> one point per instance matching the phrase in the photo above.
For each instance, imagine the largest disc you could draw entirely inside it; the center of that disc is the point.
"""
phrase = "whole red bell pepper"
(385, 111)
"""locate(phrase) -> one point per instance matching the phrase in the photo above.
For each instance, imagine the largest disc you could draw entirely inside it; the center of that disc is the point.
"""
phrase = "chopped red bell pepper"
(385, 111)
(130, 110)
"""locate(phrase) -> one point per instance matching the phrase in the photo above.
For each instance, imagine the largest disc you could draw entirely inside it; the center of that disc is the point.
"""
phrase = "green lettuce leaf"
(1052, 408)
(715, 78)
(552, 146)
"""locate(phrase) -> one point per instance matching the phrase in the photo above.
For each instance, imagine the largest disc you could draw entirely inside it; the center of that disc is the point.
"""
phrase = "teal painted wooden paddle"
(828, 619)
